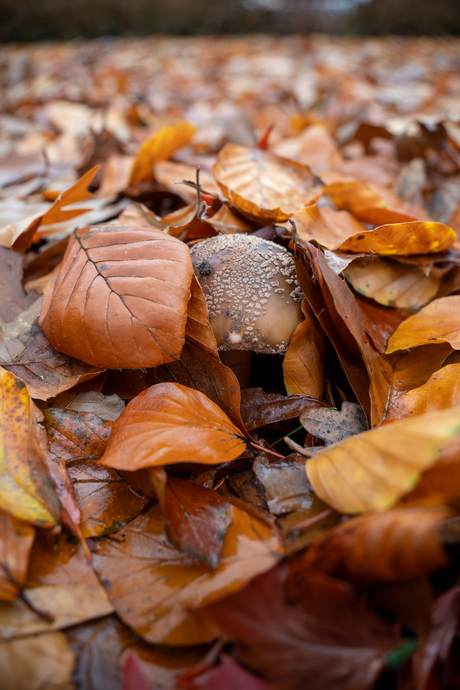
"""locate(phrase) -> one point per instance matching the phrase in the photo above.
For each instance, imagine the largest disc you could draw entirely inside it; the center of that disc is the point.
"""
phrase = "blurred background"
(32, 20)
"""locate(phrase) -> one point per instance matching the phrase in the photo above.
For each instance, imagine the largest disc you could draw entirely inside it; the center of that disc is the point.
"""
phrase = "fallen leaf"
(16, 539)
(372, 470)
(198, 330)
(227, 221)
(47, 372)
(67, 606)
(331, 643)
(259, 408)
(285, 483)
(373, 203)
(303, 363)
(229, 675)
(76, 435)
(25, 488)
(399, 544)
(170, 173)
(59, 560)
(18, 334)
(438, 322)
(197, 520)
(440, 392)
(106, 407)
(391, 283)
(153, 586)
(160, 147)
(132, 676)
(13, 298)
(37, 662)
(333, 426)
(262, 184)
(96, 315)
(169, 423)
(106, 501)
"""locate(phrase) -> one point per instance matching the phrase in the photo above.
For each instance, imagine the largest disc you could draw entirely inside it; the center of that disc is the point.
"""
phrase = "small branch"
(299, 449)
(302, 526)
(267, 450)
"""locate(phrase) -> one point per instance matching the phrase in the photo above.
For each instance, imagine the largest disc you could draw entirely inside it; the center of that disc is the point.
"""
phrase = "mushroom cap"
(250, 286)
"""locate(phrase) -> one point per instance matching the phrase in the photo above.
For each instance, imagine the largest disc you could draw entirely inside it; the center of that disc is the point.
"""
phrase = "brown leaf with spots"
(76, 435)
(333, 426)
(120, 298)
(197, 519)
(259, 408)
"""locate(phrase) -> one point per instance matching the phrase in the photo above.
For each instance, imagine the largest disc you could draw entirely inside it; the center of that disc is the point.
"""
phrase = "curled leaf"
(438, 322)
(159, 147)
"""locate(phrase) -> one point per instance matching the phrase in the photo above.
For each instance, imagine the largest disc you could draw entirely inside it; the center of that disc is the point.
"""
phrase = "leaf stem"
(267, 450)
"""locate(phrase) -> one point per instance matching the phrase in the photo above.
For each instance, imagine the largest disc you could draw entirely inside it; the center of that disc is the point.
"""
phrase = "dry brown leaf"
(120, 298)
(333, 426)
(68, 605)
(169, 423)
(438, 322)
(76, 435)
(259, 408)
(59, 561)
(37, 662)
(262, 184)
(400, 544)
(373, 470)
(227, 221)
(303, 363)
(13, 299)
(441, 391)
(153, 586)
(198, 330)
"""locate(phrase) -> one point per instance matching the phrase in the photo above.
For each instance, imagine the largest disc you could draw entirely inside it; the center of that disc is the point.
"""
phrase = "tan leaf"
(120, 298)
(16, 539)
(440, 392)
(169, 423)
(303, 363)
(334, 426)
(372, 470)
(154, 586)
(438, 322)
(37, 662)
(262, 184)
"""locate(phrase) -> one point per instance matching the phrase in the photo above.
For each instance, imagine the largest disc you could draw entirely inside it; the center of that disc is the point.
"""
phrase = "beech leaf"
(372, 470)
(120, 298)
(159, 147)
(170, 423)
(438, 322)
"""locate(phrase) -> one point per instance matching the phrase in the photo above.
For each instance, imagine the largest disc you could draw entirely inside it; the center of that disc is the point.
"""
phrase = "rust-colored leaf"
(120, 298)
(373, 203)
(303, 363)
(438, 322)
(227, 221)
(169, 423)
(25, 488)
(198, 330)
(159, 147)
(262, 184)
(59, 560)
(372, 470)
(441, 391)
(76, 435)
(399, 544)
(154, 586)
(16, 539)
(330, 642)
(197, 519)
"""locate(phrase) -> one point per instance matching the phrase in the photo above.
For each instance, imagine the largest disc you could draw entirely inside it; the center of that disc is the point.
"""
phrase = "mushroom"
(253, 298)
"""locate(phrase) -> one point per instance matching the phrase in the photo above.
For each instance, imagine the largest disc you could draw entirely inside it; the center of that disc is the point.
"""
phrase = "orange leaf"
(160, 147)
(438, 322)
(370, 471)
(262, 184)
(25, 488)
(16, 539)
(397, 545)
(303, 364)
(198, 330)
(169, 423)
(441, 391)
(153, 586)
(120, 298)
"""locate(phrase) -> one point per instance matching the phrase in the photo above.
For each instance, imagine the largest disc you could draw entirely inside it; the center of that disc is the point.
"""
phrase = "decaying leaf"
(372, 470)
(169, 423)
(197, 519)
(259, 408)
(333, 426)
(119, 299)
(262, 184)
(16, 538)
(25, 488)
(329, 642)
(303, 364)
(154, 586)
(399, 544)
(76, 435)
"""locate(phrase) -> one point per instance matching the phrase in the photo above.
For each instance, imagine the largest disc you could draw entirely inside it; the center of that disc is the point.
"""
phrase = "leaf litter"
(147, 497)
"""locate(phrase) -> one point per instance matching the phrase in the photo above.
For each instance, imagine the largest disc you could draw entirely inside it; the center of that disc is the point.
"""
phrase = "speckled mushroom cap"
(251, 291)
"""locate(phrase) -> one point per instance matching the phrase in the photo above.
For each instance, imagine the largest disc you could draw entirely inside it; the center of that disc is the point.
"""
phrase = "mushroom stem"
(240, 362)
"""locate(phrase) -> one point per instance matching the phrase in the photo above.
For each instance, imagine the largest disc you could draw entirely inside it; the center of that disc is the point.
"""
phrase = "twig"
(267, 450)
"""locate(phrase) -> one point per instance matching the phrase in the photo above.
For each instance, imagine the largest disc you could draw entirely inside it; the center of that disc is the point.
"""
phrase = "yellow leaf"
(438, 322)
(372, 470)
(25, 488)
(160, 147)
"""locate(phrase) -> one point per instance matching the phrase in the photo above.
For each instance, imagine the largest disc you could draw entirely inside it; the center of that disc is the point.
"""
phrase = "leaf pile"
(161, 525)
